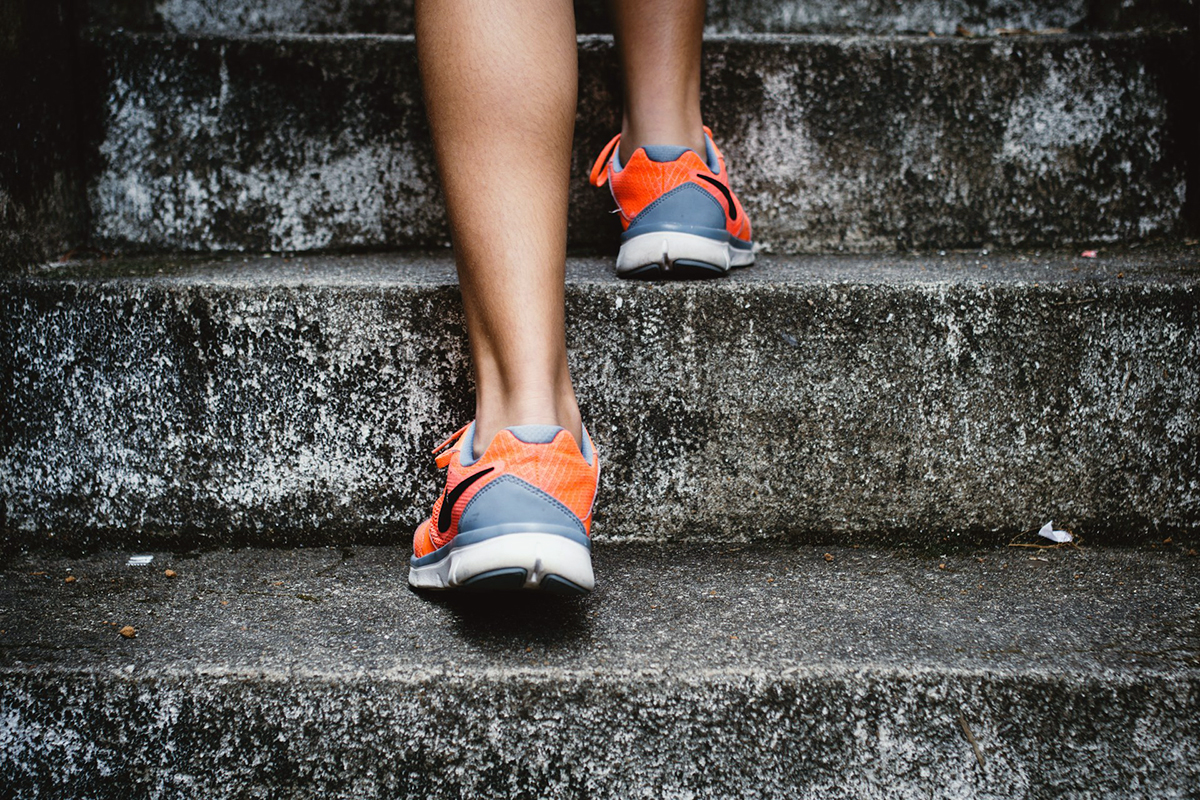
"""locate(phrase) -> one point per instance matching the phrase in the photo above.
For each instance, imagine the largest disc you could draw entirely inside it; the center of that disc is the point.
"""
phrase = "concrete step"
(884, 398)
(724, 16)
(692, 672)
(302, 143)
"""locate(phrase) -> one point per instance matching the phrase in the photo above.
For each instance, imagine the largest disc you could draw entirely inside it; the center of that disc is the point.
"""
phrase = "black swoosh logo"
(725, 191)
(449, 500)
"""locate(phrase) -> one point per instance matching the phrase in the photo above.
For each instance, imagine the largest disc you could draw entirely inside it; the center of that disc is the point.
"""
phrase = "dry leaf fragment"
(128, 631)
(69, 579)
(170, 573)
(829, 556)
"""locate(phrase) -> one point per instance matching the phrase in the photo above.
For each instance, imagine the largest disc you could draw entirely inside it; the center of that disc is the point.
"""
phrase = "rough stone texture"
(724, 16)
(314, 143)
(43, 200)
(691, 672)
(884, 398)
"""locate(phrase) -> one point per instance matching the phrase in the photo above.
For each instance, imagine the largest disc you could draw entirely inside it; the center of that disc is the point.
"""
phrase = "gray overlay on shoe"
(466, 455)
(509, 499)
(688, 208)
(710, 150)
(510, 505)
(535, 434)
(664, 153)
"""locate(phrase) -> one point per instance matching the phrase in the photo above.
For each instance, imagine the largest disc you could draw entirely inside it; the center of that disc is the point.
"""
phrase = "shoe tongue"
(535, 434)
(664, 153)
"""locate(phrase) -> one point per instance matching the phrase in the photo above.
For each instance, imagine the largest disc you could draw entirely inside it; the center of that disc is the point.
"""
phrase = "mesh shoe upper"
(555, 467)
(639, 183)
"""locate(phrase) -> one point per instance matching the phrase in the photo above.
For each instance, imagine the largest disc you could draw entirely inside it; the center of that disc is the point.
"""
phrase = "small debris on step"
(128, 631)
(170, 573)
(1088, 254)
(963, 30)
(69, 579)
(829, 557)
(1028, 32)
(970, 738)
(139, 561)
(1048, 532)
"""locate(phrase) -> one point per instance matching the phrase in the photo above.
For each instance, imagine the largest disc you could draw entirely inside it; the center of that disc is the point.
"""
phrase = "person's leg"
(679, 214)
(658, 42)
(500, 83)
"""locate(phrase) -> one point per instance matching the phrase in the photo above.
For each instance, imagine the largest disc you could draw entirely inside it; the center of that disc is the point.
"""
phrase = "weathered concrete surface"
(316, 143)
(43, 199)
(724, 16)
(691, 672)
(884, 398)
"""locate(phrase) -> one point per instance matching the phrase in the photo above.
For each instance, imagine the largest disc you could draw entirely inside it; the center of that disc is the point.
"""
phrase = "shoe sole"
(512, 561)
(675, 254)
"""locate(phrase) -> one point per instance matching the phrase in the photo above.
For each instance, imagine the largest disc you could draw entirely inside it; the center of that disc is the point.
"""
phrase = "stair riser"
(724, 16)
(863, 735)
(300, 144)
(163, 411)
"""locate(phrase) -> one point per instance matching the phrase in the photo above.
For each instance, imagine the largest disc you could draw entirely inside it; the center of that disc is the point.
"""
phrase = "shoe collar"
(611, 156)
(464, 442)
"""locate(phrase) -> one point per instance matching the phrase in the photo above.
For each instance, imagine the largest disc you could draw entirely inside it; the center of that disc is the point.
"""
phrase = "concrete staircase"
(814, 469)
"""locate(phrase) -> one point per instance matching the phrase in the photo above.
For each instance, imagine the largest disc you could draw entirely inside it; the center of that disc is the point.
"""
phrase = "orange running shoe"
(679, 215)
(517, 517)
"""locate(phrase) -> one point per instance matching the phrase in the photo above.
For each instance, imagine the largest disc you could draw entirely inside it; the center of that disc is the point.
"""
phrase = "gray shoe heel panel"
(508, 500)
(685, 205)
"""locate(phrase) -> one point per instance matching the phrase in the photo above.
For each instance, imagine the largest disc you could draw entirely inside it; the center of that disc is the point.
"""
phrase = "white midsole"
(667, 247)
(539, 554)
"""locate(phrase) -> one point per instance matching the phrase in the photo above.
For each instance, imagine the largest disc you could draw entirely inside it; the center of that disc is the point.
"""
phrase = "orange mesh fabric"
(643, 181)
(556, 468)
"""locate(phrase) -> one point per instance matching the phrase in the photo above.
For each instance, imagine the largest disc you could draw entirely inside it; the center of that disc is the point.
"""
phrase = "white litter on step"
(139, 561)
(1048, 532)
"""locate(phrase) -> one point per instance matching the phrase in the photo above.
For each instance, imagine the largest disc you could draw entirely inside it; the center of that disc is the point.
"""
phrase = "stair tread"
(1162, 264)
(692, 612)
(271, 401)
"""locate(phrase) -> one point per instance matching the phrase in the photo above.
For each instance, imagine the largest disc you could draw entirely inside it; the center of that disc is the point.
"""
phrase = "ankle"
(491, 418)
